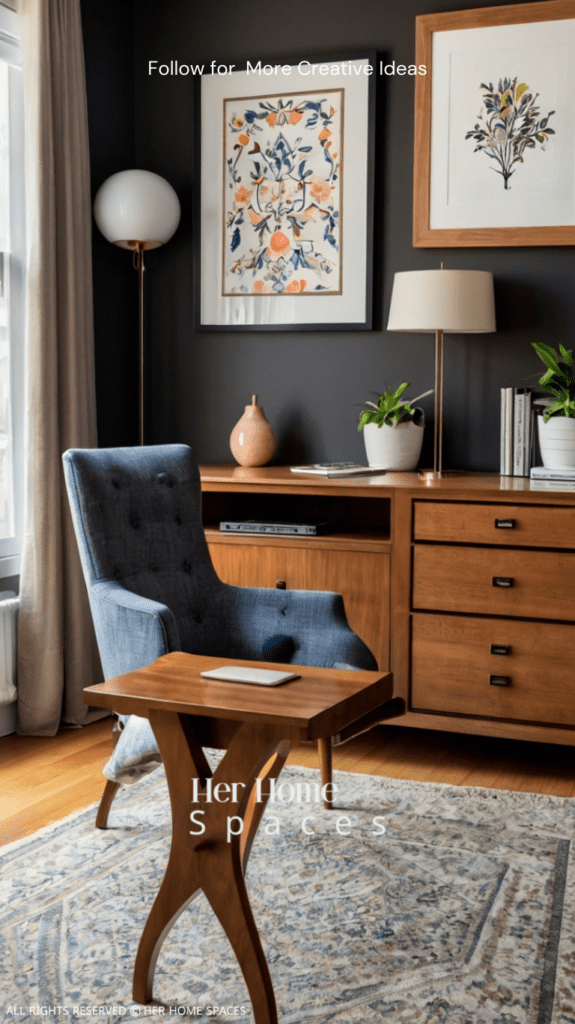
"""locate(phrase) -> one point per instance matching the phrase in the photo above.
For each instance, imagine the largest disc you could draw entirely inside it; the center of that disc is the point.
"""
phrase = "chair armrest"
(314, 619)
(132, 631)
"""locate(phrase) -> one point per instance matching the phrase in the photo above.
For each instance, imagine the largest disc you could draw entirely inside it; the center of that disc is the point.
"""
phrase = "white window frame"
(15, 269)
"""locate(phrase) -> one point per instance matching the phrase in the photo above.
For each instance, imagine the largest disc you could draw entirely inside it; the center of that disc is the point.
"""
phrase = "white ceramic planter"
(557, 441)
(394, 448)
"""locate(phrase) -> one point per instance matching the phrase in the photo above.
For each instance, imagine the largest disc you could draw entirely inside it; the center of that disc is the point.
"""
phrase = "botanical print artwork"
(282, 208)
(509, 125)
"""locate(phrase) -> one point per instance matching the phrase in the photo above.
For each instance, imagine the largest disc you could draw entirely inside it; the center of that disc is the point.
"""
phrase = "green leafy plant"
(389, 408)
(558, 379)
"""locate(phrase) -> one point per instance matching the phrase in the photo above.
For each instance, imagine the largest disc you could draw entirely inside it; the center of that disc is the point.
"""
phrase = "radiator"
(8, 626)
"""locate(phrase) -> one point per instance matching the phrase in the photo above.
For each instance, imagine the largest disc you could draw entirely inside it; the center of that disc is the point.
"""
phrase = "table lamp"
(442, 302)
(137, 210)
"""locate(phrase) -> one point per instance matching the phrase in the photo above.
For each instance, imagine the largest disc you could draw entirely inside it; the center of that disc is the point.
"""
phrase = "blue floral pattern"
(282, 194)
(510, 125)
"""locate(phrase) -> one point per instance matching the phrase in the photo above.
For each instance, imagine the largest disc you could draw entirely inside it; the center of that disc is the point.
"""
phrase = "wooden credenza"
(464, 587)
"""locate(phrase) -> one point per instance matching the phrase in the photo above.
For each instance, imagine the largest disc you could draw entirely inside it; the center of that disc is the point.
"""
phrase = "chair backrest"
(137, 514)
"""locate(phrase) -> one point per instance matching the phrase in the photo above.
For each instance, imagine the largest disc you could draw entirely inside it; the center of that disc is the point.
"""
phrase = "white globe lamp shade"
(137, 209)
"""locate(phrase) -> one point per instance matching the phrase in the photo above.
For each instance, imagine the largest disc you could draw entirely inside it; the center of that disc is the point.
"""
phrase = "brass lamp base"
(439, 474)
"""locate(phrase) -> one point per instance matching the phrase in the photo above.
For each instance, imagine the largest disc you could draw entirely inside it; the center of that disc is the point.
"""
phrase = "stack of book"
(553, 479)
(517, 431)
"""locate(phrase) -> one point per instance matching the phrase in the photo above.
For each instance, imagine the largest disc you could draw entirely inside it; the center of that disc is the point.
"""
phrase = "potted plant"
(556, 426)
(392, 430)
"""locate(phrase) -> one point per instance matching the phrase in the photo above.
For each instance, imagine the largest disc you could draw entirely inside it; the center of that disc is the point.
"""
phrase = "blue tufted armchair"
(153, 589)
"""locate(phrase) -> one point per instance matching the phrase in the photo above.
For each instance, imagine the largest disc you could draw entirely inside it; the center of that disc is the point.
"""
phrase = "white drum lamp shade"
(442, 302)
(137, 206)
(452, 301)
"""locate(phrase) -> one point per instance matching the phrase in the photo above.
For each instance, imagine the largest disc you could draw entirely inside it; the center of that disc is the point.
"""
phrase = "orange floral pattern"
(283, 161)
(279, 245)
(243, 196)
(320, 190)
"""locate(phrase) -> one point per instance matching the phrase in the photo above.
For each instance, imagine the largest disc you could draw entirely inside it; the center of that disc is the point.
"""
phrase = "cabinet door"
(361, 577)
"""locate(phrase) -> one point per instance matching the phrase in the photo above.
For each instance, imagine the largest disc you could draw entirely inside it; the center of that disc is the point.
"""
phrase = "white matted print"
(502, 126)
(286, 198)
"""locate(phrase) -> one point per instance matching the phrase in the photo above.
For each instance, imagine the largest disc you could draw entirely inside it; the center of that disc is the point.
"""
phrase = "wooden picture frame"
(286, 251)
(457, 202)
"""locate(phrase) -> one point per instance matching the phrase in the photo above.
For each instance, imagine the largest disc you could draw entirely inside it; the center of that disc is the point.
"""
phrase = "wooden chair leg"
(108, 795)
(324, 749)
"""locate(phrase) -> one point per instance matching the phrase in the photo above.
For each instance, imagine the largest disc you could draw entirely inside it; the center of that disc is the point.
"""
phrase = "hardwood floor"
(42, 780)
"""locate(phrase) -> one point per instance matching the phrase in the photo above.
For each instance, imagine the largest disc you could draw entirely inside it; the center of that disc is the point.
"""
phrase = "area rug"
(460, 912)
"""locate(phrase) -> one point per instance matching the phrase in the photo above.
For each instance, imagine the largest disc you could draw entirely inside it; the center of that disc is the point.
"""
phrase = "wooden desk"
(416, 564)
(256, 726)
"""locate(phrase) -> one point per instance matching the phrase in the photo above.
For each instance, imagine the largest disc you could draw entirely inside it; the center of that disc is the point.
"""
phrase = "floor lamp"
(137, 210)
(442, 302)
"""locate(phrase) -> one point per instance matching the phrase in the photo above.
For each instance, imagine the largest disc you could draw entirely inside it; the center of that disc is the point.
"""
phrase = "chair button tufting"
(116, 483)
(178, 521)
(165, 478)
(135, 522)
(199, 618)
(186, 567)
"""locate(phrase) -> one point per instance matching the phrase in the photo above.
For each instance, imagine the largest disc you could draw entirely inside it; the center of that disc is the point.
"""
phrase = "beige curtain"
(56, 656)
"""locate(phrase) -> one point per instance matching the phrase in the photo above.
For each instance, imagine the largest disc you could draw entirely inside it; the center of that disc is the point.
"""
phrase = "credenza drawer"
(454, 669)
(494, 581)
(521, 525)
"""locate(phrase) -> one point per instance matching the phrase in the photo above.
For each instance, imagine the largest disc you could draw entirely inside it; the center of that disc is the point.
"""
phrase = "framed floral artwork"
(495, 127)
(286, 196)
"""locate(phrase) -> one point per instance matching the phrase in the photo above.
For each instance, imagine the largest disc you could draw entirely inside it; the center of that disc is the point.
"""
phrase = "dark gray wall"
(309, 384)
(108, 29)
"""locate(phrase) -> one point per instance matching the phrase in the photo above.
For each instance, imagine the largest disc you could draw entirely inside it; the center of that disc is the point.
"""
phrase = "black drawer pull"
(502, 581)
(281, 585)
(499, 681)
(500, 649)
(504, 524)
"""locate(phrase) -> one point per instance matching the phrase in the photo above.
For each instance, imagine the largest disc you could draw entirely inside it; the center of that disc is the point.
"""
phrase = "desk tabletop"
(321, 703)
(468, 486)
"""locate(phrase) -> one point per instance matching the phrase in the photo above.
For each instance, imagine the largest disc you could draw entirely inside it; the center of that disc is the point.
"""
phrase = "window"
(12, 268)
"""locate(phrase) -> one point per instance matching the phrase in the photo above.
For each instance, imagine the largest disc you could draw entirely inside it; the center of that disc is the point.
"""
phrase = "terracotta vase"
(252, 440)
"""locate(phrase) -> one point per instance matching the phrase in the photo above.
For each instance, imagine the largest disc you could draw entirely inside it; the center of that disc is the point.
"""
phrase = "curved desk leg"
(110, 790)
(324, 748)
(214, 860)
(254, 808)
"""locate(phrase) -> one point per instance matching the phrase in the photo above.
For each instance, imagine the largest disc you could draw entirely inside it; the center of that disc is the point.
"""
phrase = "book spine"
(502, 427)
(518, 432)
(509, 432)
(540, 473)
(553, 485)
(527, 432)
